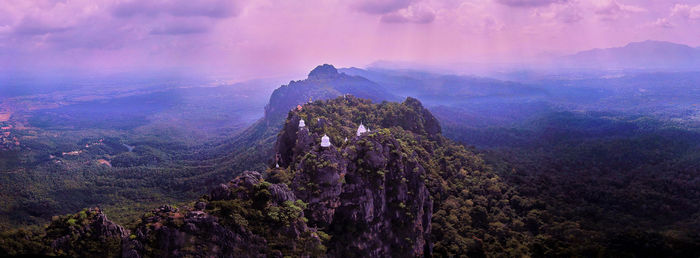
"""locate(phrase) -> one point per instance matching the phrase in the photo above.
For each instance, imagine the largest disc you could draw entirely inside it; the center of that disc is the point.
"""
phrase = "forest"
(510, 176)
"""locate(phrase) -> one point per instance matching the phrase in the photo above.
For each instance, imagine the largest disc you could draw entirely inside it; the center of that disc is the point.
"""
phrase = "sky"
(247, 39)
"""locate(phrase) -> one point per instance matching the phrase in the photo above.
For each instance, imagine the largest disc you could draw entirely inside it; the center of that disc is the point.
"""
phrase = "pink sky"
(258, 38)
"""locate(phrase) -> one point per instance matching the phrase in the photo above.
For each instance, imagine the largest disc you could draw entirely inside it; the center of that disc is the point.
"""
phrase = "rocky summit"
(324, 82)
(323, 71)
(368, 191)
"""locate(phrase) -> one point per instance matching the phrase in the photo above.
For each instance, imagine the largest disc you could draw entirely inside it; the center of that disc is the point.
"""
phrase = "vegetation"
(83, 234)
(475, 211)
(629, 182)
(591, 187)
(276, 223)
(125, 154)
(541, 183)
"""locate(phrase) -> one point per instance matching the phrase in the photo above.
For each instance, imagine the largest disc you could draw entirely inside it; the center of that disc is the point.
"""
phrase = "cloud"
(686, 11)
(529, 3)
(490, 24)
(397, 11)
(107, 25)
(569, 13)
(101, 34)
(381, 6)
(613, 7)
(612, 10)
(663, 23)
(179, 29)
(410, 15)
(31, 26)
(180, 8)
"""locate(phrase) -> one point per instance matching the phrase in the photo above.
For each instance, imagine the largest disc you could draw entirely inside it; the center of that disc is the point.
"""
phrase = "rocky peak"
(86, 233)
(324, 82)
(371, 185)
(247, 217)
(323, 71)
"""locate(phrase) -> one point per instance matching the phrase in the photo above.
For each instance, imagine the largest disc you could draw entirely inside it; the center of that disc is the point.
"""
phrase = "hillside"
(182, 141)
(252, 149)
(401, 188)
(554, 184)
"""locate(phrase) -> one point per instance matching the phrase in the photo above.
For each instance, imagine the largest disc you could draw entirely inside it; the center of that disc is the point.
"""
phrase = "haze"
(252, 39)
(350, 128)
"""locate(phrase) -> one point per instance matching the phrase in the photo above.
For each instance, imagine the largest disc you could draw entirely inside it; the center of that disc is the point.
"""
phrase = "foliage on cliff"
(87, 233)
(474, 212)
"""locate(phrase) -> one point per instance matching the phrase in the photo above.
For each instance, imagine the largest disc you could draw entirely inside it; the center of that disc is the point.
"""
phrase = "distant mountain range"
(323, 82)
(646, 55)
(440, 89)
(252, 148)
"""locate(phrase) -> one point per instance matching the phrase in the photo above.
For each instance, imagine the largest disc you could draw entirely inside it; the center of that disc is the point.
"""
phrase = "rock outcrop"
(324, 71)
(368, 193)
(86, 233)
(172, 232)
(227, 224)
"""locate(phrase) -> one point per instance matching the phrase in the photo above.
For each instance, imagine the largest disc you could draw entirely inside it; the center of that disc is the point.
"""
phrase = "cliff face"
(248, 217)
(172, 232)
(367, 192)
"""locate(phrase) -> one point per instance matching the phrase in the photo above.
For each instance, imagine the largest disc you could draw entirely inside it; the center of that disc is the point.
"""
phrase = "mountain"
(252, 148)
(443, 89)
(460, 101)
(323, 82)
(401, 189)
(647, 55)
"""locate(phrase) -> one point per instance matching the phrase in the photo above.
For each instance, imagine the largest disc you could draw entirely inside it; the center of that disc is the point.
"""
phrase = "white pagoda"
(325, 141)
(361, 129)
(301, 123)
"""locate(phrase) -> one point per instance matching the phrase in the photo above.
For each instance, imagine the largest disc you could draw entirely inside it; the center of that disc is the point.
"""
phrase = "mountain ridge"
(252, 148)
(649, 54)
(371, 195)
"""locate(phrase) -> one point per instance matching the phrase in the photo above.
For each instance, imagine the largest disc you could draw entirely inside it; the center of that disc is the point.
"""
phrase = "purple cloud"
(529, 3)
(179, 29)
(569, 15)
(411, 16)
(181, 8)
(135, 34)
(382, 6)
(663, 23)
(30, 26)
(92, 33)
(686, 11)
(612, 10)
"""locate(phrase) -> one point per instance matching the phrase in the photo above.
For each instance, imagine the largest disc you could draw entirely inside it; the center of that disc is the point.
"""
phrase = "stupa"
(361, 129)
(325, 141)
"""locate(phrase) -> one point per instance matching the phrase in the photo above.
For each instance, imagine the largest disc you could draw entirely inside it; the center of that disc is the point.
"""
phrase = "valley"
(350, 128)
(526, 147)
